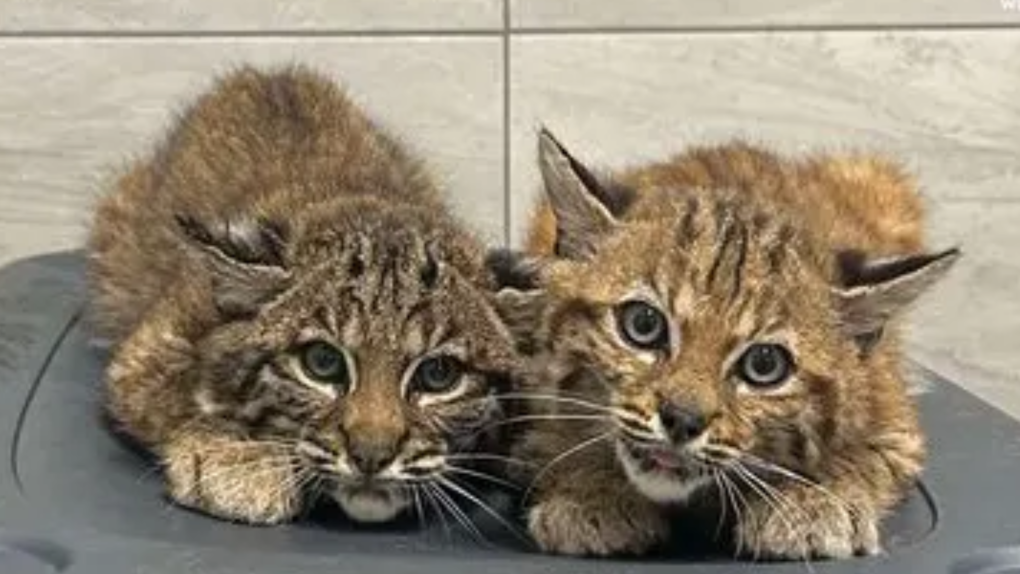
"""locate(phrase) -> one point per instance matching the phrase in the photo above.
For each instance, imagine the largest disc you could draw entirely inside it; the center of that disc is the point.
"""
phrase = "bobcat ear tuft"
(520, 299)
(584, 206)
(247, 241)
(514, 269)
(872, 293)
(245, 257)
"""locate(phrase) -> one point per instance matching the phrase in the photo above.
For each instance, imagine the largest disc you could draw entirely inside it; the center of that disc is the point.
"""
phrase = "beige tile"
(70, 109)
(969, 327)
(940, 101)
(707, 13)
(192, 15)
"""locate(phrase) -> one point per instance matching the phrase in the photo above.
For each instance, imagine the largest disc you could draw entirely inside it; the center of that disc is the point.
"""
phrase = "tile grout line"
(507, 202)
(506, 31)
(256, 34)
(568, 30)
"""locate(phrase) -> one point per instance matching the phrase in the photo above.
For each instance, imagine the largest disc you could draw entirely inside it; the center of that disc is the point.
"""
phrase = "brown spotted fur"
(275, 213)
(734, 244)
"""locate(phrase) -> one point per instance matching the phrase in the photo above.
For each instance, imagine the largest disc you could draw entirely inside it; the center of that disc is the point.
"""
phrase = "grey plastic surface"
(74, 499)
(996, 561)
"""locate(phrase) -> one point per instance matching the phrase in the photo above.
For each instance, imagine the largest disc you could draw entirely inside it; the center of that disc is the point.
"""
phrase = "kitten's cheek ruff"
(658, 485)
(365, 504)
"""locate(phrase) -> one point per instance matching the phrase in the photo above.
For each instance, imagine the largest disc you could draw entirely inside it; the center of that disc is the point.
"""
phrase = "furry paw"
(807, 525)
(233, 480)
(563, 525)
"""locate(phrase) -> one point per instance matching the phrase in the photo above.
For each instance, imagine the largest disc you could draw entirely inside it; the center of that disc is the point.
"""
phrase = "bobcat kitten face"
(293, 308)
(372, 352)
(727, 338)
(714, 337)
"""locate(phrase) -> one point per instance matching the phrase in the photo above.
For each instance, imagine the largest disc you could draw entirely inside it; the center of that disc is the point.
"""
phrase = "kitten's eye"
(642, 325)
(765, 365)
(437, 375)
(324, 363)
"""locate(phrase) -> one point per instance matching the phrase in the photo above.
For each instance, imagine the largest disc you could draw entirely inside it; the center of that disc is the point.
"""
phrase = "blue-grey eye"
(643, 326)
(436, 375)
(765, 365)
(324, 363)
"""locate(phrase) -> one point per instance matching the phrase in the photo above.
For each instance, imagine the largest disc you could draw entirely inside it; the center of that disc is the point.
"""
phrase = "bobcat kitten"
(293, 310)
(722, 326)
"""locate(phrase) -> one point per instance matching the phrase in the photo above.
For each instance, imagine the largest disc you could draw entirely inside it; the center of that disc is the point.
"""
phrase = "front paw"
(235, 481)
(804, 525)
(565, 525)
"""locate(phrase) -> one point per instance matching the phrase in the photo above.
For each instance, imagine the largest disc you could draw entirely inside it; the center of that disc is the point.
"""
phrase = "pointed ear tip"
(948, 257)
(548, 144)
(954, 252)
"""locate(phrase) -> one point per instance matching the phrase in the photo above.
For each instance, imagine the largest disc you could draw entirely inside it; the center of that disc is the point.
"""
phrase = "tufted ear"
(520, 299)
(873, 292)
(585, 207)
(245, 258)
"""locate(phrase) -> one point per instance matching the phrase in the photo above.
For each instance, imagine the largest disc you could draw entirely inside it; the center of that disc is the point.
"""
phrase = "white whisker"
(562, 456)
(462, 518)
(482, 475)
(449, 483)
(437, 508)
(575, 401)
(470, 457)
(801, 479)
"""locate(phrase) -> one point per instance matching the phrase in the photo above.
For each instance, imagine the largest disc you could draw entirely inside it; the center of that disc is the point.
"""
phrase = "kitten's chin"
(665, 485)
(371, 504)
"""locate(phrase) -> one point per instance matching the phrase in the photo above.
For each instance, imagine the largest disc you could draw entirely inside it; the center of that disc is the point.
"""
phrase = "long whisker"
(419, 509)
(740, 505)
(449, 483)
(801, 479)
(717, 481)
(768, 492)
(461, 516)
(561, 457)
(575, 401)
(785, 472)
(437, 508)
(470, 457)
(776, 494)
(734, 465)
(315, 490)
(546, 417)
(483, 475)
(737, 509)
(298, 482)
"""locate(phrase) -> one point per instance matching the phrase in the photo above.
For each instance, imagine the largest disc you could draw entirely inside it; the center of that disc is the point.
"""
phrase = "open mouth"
(661, 459)
(662, 472)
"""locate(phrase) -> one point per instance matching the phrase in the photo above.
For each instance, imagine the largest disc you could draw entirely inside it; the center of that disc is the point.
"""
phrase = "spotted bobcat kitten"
(291, 305)
(722, 326)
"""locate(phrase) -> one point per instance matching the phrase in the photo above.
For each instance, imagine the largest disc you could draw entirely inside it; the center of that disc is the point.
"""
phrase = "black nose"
(682, 423)
(370, 457)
